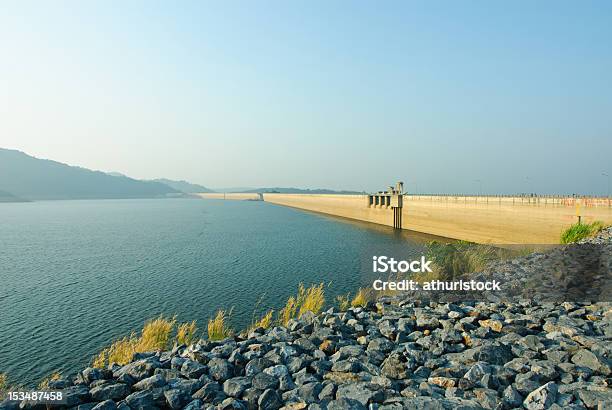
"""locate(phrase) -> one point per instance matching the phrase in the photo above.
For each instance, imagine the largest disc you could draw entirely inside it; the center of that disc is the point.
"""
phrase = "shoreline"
(393, 353)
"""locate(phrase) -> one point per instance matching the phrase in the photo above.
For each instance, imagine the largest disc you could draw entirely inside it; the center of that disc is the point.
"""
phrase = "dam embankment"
(482, 219)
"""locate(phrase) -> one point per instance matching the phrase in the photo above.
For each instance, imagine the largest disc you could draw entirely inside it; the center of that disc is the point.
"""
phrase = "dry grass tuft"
(186, 333)
(344, 301)
(307, 300)
(218, 327)
(120, 352)
(265, 321)
(4, 386)
(422, 277)
(44, 383)
(312, 299)
(288, 312)
(362, 297)
(155, 335)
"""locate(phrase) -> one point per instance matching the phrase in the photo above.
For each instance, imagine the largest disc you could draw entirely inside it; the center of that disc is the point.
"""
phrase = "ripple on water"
(78, 274)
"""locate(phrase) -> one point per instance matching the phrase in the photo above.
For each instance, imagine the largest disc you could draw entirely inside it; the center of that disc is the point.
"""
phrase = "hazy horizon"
(492, 98)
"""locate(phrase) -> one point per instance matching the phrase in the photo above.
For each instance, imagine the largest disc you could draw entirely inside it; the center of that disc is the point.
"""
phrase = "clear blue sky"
(347, 95)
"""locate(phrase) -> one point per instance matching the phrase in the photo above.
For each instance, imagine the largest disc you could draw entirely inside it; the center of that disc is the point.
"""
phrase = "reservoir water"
(75, 275)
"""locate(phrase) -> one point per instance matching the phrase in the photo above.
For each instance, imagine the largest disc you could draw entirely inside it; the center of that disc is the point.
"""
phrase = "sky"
(450, 97)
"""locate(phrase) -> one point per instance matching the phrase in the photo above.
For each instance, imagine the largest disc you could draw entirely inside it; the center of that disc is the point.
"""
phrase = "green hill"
(8, 197)
(183, 186)
(32, 178)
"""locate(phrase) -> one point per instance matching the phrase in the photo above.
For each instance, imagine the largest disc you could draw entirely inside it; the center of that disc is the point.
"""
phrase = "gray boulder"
(115, 391)
(141, 400)
(264, 381)
(270, 400)
(542, 397)
(235, 386)
(220, 369)
(192, 369)
(157, 380)
(105, 405)
(176, 399)
(363, 392)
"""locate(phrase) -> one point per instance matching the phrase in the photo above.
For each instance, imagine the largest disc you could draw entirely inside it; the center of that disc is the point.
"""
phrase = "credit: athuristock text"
(385, 264)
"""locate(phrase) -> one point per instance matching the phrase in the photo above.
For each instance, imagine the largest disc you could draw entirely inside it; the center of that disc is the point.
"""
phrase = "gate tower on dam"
(392, 199)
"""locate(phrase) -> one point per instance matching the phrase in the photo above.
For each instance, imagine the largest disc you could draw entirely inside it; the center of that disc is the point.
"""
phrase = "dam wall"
(501, 219)
(482, 219)
(347, 206)
(235, 196)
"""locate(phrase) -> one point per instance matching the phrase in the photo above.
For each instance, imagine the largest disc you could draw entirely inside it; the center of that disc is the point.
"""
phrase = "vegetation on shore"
(579, 231)
(311, 299)
(362, 297)
(344, 301)
(4, 386)
(155, 335)
(161, 332)
(218, 327)
(264, 322)
(186, 333)
(454, 259)
(44, 383)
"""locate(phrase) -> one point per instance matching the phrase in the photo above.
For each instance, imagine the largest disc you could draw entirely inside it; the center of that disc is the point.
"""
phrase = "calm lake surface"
(75, 275)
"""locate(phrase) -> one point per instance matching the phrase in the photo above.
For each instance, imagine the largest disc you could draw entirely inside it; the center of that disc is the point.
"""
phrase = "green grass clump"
(578, 232)
(218, 327)
(452, 260)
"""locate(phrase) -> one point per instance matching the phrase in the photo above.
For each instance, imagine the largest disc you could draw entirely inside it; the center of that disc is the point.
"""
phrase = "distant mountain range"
(23, 177)
(183, 186)
(26, 178)
(8, 197)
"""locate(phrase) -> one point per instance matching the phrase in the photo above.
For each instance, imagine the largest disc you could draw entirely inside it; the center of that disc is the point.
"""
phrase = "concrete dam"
(481, 219)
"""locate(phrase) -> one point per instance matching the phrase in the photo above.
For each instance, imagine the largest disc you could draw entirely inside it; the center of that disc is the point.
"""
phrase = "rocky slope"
(394, 354)
(580, 271)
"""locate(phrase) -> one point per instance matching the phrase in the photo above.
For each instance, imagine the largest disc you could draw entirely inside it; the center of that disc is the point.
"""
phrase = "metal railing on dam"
(531, 199)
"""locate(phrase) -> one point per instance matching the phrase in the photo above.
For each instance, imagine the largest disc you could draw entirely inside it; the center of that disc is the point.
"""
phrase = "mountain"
(8, 197)
(184, 186)
(299, 191)
(32, 178)
(116, 174)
